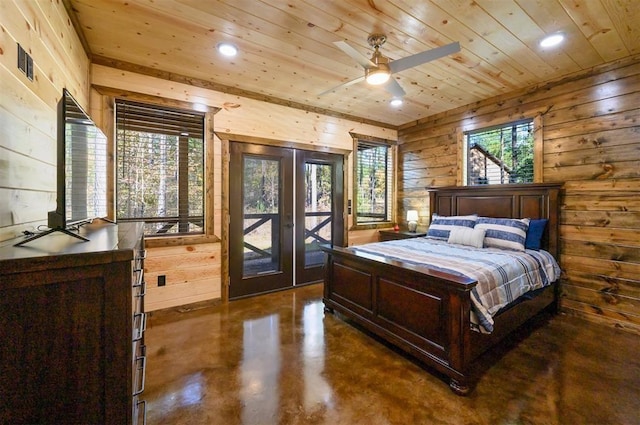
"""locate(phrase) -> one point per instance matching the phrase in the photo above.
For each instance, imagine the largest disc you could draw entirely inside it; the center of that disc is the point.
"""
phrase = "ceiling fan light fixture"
(377, 76)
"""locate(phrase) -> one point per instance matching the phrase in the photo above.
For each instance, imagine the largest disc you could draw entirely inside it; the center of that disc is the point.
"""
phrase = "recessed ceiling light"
(396, 102)
(552, 40)
(227, 49)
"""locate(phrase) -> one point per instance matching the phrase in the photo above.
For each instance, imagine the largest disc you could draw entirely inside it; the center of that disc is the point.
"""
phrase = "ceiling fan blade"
(423, 57)
(394, 88)
(347, 84)
(355, 55)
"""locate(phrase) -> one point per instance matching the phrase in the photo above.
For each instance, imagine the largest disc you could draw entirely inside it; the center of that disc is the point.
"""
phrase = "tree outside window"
(501, 155)
(373, 181)
(160, 168)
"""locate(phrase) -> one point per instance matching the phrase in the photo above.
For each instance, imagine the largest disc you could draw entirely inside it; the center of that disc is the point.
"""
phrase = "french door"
(283, 204)
(319, 211)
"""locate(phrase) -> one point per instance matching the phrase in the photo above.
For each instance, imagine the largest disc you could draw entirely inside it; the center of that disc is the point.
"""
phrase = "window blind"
(160, 167)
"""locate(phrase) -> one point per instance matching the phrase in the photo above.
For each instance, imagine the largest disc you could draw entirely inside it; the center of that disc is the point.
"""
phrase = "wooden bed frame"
(427, 313)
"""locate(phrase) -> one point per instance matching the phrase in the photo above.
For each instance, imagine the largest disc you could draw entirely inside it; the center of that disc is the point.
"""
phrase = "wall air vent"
(25, 62)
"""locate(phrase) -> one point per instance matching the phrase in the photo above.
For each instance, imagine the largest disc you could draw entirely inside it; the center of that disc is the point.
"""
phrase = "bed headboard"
(537, 200)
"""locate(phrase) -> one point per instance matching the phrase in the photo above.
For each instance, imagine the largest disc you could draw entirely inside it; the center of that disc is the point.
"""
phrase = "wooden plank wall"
(28, 115)
(193, 271)
(591, 135)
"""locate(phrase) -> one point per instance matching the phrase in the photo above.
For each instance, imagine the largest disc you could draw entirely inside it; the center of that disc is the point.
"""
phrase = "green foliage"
(373, 164)
(261, 186)
(318, 182)
(148, 175)
(512, 148)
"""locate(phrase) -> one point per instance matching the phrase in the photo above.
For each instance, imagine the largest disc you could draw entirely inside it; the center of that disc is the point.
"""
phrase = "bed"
(426, 311)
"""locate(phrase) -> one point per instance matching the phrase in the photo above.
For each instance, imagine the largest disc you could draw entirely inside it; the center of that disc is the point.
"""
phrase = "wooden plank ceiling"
(287, 53)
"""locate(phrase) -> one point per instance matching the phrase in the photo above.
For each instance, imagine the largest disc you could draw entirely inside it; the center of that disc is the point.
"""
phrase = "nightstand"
(390, 235)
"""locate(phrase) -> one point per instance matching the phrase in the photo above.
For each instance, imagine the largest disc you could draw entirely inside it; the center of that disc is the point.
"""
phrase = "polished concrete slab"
(280, 359)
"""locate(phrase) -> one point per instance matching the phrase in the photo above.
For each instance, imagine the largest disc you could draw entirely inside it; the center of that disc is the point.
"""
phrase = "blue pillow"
(534, 234)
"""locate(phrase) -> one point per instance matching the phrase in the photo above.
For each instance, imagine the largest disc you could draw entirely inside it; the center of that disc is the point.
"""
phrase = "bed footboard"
(424, 313)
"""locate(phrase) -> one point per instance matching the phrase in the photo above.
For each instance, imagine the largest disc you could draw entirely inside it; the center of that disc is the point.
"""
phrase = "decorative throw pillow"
(441, 226)
(534, 234)
(507, 233)
(467, 236)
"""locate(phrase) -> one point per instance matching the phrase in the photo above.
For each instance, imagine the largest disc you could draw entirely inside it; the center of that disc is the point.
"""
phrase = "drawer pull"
(139, 278)
(141, 371)
(142, 289)
(136, 412)
(141, 319)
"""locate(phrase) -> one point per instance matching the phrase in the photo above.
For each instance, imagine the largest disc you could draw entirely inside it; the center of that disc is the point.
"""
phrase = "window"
(373, 181)
(160, 168)
(501, 155)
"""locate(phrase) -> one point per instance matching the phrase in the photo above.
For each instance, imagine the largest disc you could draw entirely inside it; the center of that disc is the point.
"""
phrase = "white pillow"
(467, 236)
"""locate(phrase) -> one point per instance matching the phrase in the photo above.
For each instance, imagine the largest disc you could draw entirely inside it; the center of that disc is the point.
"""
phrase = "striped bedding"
(502, 275)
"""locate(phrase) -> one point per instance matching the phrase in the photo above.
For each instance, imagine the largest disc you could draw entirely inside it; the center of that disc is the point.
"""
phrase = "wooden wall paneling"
(25, 173)
(29, 119)
(192, 274)
(590, 143)
(48, 39)
(608, 287)
(194, 291)
(627, 135)
(594, 314)
(59, 38)
(247, 116)
(28, 109)
(607, 304)
(363, 236)
(21, 206)
(611, 268)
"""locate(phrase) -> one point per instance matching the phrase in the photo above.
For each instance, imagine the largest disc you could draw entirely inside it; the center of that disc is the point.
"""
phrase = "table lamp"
(412, 219)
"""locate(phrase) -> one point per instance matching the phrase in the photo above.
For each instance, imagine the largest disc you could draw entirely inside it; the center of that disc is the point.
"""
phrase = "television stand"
(48, 232)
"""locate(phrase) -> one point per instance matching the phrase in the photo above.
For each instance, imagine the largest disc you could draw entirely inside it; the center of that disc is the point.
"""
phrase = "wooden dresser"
(71, 328)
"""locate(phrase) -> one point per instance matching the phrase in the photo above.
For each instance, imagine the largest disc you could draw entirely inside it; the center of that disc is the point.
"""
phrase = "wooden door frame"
(226, 139)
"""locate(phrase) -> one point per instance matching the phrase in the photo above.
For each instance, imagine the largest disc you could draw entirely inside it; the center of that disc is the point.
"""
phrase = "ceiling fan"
(379, 68)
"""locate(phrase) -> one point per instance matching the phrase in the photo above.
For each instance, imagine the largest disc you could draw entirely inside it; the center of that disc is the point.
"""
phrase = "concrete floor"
(279, 359)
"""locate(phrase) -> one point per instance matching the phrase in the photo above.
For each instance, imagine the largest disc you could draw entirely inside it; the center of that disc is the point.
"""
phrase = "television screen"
(85, 171)
(82, 167)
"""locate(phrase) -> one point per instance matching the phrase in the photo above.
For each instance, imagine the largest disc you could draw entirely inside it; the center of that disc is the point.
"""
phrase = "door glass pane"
(317, 226)
(261, 206)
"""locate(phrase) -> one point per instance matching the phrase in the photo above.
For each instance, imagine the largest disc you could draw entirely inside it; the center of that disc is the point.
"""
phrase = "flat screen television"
(81, 170)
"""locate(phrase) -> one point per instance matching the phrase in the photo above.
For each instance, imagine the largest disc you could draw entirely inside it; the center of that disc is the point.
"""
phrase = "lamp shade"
(412, 215)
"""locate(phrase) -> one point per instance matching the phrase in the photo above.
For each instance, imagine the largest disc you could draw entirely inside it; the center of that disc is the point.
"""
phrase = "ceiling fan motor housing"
(376, 40)
(381, 73)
